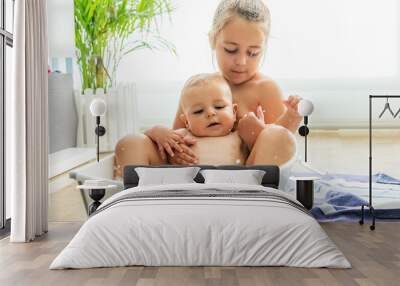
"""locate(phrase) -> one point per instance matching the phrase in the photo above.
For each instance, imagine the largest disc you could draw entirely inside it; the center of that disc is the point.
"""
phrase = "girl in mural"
(265, 121)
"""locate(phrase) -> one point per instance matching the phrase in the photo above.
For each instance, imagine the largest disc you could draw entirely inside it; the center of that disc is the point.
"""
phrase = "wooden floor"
(374, 255)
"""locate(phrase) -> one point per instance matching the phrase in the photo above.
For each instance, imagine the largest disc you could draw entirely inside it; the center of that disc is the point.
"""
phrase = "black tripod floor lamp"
(98, 108)
(305, 108)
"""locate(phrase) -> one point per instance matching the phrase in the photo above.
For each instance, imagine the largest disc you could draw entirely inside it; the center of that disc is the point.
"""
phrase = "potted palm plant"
(105, 32)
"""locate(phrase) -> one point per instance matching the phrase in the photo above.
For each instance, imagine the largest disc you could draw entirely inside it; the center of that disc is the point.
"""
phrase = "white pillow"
(163, 176)
(248, 177)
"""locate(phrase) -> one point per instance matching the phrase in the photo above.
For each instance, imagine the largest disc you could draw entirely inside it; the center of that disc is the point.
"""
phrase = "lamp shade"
(305, 107)
(98, 107)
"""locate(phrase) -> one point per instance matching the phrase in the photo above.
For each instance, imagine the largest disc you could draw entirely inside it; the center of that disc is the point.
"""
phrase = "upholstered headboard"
(270, 179)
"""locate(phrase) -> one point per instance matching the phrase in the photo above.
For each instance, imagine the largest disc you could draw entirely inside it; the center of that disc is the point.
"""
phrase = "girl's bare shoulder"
(266, 88)
(269, 90)
(264, 82)
(261, 90)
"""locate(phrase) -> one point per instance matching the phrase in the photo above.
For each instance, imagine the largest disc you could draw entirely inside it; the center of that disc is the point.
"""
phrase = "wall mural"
(235, 83)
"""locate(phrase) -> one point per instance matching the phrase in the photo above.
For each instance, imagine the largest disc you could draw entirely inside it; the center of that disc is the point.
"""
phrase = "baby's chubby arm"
(271, 109)
(277, 110)
(250, 126)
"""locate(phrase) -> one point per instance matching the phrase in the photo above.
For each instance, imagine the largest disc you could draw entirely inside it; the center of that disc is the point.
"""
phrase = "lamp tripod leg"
(98, 145)
(362, 215)
(98, 136)
(372, 212)
(305, 148)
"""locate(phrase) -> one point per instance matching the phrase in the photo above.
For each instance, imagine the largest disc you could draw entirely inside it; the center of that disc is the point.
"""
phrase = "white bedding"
(182, 231)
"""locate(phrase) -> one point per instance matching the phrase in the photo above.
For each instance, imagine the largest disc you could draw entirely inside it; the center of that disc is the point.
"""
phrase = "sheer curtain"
(27, 132)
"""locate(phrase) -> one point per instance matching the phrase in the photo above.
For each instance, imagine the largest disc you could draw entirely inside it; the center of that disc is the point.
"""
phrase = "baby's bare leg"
(135, 150)
(275, 145)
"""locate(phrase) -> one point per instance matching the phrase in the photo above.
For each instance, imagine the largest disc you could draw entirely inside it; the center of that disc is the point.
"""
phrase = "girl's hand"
(168, 141)
(250, 126)
(291, 104)
(187, 157)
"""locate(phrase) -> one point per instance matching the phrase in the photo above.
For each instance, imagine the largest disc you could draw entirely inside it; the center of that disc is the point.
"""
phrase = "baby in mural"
(209, 116)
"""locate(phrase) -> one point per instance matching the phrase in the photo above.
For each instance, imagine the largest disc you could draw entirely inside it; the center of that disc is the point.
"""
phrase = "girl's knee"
(130, 141)
(127, 146)
(277, 135)
(127, 152)
(275, 145)
(137, 150)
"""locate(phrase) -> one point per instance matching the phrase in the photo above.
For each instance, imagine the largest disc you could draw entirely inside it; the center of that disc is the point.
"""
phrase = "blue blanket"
(381, 178)
(345, 206)
(337, 202)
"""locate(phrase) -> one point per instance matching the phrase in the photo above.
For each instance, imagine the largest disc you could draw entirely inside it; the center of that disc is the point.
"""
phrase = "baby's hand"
(187, 157)
(291, 104)
(250, 125)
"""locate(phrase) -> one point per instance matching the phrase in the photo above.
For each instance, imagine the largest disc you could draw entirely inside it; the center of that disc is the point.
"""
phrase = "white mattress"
(200, 231)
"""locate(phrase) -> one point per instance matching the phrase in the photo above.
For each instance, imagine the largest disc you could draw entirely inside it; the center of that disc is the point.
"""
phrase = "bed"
(197, 224)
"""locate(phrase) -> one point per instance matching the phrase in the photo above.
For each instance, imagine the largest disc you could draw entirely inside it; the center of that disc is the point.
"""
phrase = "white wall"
(60, 18)
(335, 52)
(310, 39)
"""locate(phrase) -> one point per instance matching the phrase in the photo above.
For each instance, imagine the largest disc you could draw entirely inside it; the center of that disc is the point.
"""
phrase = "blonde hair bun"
(251, 10)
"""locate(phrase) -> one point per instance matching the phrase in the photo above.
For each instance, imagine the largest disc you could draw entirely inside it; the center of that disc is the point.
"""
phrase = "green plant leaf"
(102, 30)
